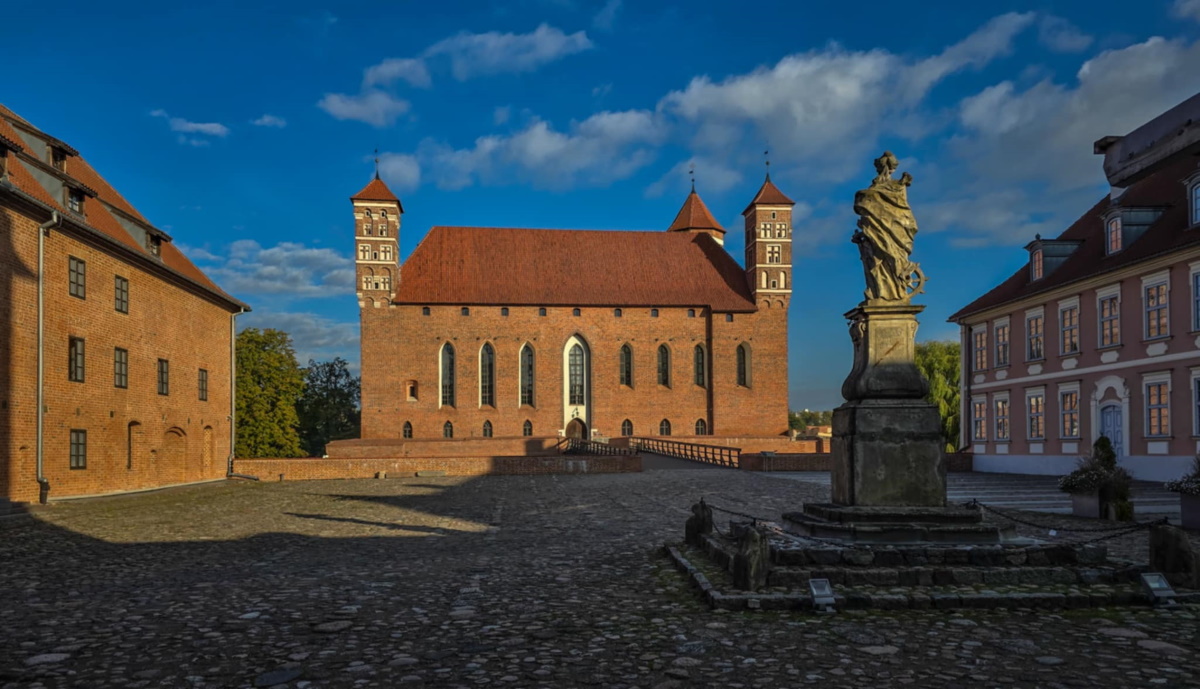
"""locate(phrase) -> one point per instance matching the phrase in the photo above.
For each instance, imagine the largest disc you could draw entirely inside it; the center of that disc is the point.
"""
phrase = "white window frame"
(1102, 294)
(979, 345)
(1154, 281)
(1148, 379)
(1067, 389)
(1031, 314)
(1194, 202)
(979, 423)
(1064, 306)
(996, 326)
(1194, 285)
(1113, 223)
(1037, 265)
(1007, 417)
(1030, 394)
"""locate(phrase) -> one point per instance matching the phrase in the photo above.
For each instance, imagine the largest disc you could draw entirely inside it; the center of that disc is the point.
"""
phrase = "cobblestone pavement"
(545, 581)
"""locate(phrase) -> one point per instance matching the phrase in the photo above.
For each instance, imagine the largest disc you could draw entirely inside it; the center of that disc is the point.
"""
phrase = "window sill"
(1157, 438)
(1105, 348)
(1036, 361)
(1066, 355)
(1161, 338)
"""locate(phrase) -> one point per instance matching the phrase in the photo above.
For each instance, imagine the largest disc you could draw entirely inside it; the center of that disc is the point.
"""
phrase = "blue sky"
(242, 128)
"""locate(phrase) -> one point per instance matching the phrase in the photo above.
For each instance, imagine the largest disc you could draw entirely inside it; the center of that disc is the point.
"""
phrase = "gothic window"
(626, 366)
(664, 427)
(407, 429)
(664, 366)
(364, 252)
(487, 429)
(448, 376)
(448, 430)
(701, 427)
(743, 365)
(527, 429)
(575, 369)
(487, 376)
(701, 367)
(626, 428)
(774, 254)
(527, 375)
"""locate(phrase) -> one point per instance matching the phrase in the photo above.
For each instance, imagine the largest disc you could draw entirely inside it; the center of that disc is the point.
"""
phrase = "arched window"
(626, 366)
(627, 428)
(364, 252)
(743, 365)
(701, 427)
(448, 430)
(664, 366)
(575, 369)
(487, 429)
(386, 281)
(701, 367)
(368, 281)
(664, 427)
(782, 280)
(367, 214)
(448, 376)
(407, 429)
(527, 375)
(527, 429)
(487, 376)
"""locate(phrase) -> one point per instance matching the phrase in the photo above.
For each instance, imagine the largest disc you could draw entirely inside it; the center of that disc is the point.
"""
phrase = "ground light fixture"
(1158, 589)
(822, 596)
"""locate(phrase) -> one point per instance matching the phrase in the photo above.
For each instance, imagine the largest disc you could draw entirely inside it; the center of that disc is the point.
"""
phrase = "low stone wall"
(306, 468)
(374, 448)
(746, 444)
(956, 462)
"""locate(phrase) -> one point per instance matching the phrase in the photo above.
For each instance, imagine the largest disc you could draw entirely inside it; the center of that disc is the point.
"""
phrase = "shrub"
(1189, 483)
(1100, 474)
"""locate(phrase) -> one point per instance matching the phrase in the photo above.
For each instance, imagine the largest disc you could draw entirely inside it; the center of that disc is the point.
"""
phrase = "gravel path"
(540, 581)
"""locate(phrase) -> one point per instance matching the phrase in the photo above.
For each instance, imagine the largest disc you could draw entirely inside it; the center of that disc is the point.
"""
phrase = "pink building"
(1099, 334)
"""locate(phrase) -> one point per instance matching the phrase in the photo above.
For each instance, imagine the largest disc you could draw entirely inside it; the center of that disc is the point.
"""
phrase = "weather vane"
(376, 162)
(692, 174)
(767, 155)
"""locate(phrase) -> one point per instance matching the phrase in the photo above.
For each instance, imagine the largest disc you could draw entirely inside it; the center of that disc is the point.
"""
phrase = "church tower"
(769, 244)
(377, 214)
(695, 217)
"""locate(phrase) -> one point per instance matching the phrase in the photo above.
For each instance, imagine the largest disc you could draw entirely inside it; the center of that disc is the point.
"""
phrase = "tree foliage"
(269, 383)
(799, 420)
(939, 361)
(329, 408)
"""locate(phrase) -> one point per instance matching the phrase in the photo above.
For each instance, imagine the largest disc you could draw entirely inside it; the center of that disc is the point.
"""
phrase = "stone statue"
(886, 228)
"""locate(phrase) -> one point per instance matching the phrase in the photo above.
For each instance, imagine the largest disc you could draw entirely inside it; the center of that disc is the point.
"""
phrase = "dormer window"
(154, 244)
(1193, 196)
(1113, 234)
(1035, 265)
(58, 158)
(75, 201)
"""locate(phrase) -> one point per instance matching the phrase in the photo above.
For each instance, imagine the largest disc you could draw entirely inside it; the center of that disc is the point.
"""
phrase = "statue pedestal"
(887, 440)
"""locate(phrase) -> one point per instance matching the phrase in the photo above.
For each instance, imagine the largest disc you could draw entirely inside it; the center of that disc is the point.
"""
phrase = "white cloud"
(410, 70)
(270, 121)
(178, 124)
(1186, 9)
(373, 107)
(288, 269)
(607, 16)
(606, 146)
(313, 336)
(482, 54)
(1062, 36)
(602, 90)
(402, 172)
(502, 114)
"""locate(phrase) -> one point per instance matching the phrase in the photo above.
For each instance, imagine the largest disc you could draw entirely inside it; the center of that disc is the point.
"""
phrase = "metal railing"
(579, 446)
(709, 454)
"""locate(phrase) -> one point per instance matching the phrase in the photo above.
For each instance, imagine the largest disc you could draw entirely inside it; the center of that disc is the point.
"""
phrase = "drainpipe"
(43, 230)
(233, 396)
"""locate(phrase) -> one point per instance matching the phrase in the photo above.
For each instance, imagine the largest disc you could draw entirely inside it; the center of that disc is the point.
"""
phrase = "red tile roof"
(769, 195)
(1172, 231)
(510, 266)
(376, 190)
(694, 215)
(96, 215)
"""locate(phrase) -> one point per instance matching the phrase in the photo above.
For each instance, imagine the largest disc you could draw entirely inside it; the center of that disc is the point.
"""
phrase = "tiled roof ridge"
(694, 215)
(769, 195)
(376, 190)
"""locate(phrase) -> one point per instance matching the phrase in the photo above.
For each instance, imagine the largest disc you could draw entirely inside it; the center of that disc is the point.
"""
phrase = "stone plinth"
(884, 353)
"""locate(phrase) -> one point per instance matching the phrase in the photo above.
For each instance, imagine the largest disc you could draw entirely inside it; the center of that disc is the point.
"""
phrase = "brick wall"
(370, 448)
(177, 438)
(317, 468)
(745, 444)
(955, 462)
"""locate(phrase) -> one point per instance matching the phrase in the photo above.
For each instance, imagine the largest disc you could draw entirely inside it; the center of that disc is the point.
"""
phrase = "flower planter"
(1189, 511)
(1086, 505)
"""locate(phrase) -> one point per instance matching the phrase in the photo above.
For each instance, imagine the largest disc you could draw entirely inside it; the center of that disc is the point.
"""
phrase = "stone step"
(798, 577)
(791, 553)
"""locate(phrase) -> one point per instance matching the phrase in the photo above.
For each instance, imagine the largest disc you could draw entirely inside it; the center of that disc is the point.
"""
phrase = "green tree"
(939, 361)
(269, 383)
(799, 420)
(328, 409)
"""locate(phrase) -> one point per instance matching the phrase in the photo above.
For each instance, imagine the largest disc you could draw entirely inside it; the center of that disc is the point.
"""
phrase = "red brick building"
(123, 343)
(505, 332)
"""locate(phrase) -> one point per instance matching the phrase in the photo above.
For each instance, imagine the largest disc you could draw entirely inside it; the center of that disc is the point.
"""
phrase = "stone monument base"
(888, 452)
(854, 524)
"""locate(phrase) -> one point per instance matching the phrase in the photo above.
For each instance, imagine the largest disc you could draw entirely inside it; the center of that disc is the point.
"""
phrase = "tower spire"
(692, 174)
(376, 162)
(767, 155)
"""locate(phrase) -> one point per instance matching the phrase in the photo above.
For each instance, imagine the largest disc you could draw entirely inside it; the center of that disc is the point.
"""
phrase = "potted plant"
(1188, 487)
(1099, 488)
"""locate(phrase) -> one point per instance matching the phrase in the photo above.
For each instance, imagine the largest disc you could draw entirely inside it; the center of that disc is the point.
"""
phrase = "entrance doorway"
(577, 429)
(1111, 427)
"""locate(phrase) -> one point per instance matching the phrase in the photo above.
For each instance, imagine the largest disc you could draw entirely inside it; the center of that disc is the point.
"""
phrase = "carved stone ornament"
(886, 228)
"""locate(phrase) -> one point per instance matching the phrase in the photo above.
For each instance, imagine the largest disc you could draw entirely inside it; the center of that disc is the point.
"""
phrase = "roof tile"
(694, 215)
(769, 195)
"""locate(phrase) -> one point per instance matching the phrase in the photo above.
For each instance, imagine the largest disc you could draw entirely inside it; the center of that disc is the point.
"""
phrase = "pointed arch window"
(664, 366)
(448, 376)
(407, 429)
(743, 365)
(701, 427)
(626, 366)
(527, 429)
(487, 376)
(701, 366)
(626, 428)
(664, 427)
(447, 430)
(575, 371)
(527, 375)
(487, 429)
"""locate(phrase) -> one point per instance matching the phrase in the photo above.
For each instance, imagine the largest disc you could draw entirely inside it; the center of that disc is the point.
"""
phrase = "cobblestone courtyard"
(548, 581)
